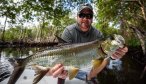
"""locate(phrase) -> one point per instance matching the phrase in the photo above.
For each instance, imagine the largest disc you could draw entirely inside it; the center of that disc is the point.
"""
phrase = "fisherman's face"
(84, 19)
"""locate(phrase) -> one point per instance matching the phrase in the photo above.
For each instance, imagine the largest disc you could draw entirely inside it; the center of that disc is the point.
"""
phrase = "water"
(5, 68)
(28, 75)
(125, 71)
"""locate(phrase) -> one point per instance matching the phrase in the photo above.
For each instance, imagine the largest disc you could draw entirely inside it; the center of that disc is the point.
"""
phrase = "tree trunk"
(3, 34)
(141, 38)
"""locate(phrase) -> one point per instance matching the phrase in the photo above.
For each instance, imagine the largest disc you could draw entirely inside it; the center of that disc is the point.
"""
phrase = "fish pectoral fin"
(40, 69)
(72, 72)
(40, 72)
(96, 63)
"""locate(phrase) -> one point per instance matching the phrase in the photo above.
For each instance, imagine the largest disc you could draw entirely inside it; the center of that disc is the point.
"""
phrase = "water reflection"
(5, 67)
(20, 52)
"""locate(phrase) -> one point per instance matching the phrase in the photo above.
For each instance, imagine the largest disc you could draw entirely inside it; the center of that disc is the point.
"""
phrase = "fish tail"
(16, 74)
(40, 72)
(18, 70)
(16, 61)
(72, 72)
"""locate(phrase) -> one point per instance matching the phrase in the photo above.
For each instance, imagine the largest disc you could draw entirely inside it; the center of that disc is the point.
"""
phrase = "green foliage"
(54, 13)
(12, 34)
(53, 17)
(15, 34)
(107, 31)
(43, 31)
(133, 42)
(125, 13)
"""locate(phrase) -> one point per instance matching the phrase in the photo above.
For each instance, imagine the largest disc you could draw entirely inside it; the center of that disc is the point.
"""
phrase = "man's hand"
(58, 71)
(120, 53)
(117, 55)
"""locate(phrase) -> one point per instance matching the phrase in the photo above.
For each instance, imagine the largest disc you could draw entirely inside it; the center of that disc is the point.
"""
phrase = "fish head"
(118, 40)
(113, 43)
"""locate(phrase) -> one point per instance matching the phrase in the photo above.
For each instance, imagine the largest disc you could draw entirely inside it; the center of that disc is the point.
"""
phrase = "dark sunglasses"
(88, 16)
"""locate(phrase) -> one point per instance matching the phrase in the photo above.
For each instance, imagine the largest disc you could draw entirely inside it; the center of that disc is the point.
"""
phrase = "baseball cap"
(84, 6)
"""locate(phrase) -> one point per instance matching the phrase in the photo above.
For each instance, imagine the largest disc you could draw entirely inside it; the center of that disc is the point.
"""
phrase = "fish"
(72, 56)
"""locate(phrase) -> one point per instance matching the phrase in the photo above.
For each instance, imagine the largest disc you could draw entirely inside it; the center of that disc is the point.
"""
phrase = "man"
(80, 32)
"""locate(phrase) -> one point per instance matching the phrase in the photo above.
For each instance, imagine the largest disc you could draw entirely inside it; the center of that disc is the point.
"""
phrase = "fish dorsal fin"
(60, 40)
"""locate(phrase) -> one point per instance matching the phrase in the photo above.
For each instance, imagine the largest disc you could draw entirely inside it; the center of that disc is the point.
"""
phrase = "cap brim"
(85, 8)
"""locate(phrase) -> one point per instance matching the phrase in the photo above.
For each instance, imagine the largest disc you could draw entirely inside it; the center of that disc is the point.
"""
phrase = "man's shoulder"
(71, 27)
(70, 30)
(96, 32)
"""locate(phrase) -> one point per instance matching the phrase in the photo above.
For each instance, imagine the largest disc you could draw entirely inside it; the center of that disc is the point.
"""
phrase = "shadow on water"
(125, 71)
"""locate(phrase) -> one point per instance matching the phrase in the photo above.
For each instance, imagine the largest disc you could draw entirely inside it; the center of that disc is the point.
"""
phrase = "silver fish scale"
(78, 55)
(80, 60)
